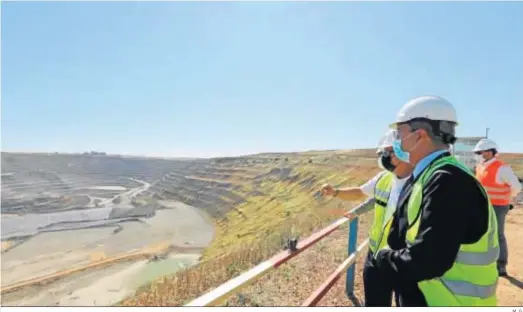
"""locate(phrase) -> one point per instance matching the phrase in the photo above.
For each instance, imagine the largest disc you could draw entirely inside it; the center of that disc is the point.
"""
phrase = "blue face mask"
(399, 152)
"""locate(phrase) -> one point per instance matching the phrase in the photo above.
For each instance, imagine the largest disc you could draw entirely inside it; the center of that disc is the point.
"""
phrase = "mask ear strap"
(417, 140)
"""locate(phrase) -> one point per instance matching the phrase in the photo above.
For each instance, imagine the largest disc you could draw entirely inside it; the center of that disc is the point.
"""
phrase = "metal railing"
(233, 286)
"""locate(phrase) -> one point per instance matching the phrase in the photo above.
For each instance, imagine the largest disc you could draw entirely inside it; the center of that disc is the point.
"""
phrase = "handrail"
(318, 294)
(219, 294)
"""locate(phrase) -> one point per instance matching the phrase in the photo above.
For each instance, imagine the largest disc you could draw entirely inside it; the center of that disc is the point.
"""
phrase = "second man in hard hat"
(384, 188)
(443, 239)
(502, 185)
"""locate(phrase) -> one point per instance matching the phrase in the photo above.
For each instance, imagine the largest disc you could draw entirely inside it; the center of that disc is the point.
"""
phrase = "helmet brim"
(394, 125)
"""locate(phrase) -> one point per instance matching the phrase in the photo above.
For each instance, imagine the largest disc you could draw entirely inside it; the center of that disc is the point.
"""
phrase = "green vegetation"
(279, 201)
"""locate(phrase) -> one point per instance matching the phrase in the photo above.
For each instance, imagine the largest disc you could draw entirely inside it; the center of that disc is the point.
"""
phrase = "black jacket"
(454, 212)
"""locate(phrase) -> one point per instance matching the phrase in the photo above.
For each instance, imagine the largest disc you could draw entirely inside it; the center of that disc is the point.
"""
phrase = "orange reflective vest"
(499, 194)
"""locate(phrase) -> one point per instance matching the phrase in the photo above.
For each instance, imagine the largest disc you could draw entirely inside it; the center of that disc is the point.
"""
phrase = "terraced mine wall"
(43, 183)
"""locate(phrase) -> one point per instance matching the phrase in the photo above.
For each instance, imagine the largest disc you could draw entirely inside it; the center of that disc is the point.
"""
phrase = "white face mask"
(479, 159)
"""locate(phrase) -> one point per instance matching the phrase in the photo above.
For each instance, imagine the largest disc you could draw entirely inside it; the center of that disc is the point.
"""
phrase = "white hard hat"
(485, 145)
(386, 140)
(429, 107)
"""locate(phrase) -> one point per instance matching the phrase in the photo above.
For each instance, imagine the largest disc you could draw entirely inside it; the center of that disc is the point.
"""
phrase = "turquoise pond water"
(156, 269)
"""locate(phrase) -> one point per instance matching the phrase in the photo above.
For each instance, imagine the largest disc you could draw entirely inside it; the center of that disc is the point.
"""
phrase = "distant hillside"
(148, 169)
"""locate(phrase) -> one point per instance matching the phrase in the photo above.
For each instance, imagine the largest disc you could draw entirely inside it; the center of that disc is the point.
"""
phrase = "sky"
(216, 79)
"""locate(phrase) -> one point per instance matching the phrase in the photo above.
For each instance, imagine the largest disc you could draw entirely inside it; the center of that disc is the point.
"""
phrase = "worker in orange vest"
(502, 185)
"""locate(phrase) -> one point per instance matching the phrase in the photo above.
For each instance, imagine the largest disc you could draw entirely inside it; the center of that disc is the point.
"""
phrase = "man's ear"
(422, 134)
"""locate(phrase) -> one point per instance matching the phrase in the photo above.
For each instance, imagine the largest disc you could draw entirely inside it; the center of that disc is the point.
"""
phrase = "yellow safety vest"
(379, 230)
(472, 279)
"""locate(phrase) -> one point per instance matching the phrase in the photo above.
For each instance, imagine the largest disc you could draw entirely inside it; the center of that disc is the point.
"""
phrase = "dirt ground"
(510, 290)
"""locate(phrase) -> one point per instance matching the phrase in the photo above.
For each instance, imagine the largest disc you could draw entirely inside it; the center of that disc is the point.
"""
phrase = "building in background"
(463, 150)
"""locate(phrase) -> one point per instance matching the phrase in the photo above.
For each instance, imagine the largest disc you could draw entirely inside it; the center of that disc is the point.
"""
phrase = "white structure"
(463, 150)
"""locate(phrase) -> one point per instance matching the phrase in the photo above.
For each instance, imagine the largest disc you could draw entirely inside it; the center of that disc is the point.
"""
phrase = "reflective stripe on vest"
(461, 288)
(381, 194)
(499, 194)
(486, 258)
(472, 279)
(384, 194)
(482, 258)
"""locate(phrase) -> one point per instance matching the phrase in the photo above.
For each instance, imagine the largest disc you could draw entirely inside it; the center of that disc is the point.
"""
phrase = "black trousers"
(377, 293)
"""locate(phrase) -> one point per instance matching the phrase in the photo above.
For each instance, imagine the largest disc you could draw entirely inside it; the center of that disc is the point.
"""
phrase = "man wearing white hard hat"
(502, 185)
(384, 188)
(443, 238)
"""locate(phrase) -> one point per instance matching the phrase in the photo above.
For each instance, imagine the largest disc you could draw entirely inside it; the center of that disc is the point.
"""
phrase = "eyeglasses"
(396, 134)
